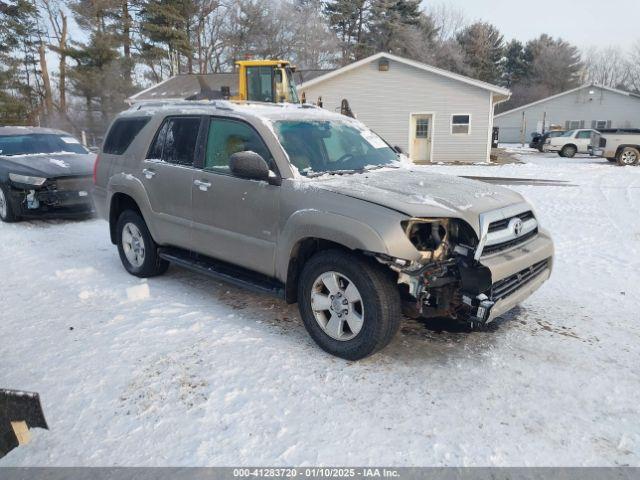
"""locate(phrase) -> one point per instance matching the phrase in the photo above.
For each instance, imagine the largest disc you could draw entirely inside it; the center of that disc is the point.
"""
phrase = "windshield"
(34, 143)
(568, 134)
(293, 93)
(316, 147)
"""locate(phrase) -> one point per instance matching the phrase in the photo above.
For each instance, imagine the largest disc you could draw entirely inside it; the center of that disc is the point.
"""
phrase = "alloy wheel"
(337, 306)
(628, 157)
(133, 244)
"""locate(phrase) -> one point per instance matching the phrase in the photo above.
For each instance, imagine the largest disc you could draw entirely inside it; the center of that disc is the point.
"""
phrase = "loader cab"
(267, 81)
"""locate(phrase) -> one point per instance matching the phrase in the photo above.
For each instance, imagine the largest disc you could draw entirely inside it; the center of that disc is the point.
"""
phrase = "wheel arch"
(626, 145)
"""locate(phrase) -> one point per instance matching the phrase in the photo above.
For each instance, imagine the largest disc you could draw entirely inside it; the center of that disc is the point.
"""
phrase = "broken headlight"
(27, 179)
(436, 238)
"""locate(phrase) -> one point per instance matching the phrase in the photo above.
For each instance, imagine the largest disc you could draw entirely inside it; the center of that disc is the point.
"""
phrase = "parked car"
(538, 139)
(314, 207)
(621, 146)
(43, 172)
(572, 142)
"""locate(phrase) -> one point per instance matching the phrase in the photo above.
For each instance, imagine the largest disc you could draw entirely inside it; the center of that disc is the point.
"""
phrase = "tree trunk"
(126, 39)
(62, 44)
(48, 97)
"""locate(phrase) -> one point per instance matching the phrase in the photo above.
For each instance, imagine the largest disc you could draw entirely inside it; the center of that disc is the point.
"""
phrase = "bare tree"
(447, 19)
(609, 66)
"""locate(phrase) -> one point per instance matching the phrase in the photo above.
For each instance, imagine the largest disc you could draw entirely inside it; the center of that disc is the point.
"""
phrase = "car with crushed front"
(43, 172)
(314, 207)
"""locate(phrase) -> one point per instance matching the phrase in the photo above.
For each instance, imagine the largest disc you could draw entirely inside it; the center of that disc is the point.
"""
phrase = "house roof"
(562, 94)
(419, 65)
(180, 87)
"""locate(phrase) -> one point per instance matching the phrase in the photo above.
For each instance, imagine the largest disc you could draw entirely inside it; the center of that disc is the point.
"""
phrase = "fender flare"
(129, 185)
(346, 231)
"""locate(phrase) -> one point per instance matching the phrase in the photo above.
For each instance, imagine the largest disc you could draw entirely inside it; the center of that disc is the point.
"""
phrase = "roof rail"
(219, 104)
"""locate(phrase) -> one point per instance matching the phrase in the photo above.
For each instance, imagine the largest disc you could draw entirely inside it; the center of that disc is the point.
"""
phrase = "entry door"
(235, 219)
(421, 131)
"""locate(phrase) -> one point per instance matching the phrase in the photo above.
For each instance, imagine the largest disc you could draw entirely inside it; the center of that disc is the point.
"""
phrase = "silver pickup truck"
(315, 208)
(619, 145)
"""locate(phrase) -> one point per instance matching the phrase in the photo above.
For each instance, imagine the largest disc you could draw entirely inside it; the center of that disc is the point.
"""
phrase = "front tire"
(568, 151)
(349, 305)
(7, 209)
(628, 156)
(138, 252)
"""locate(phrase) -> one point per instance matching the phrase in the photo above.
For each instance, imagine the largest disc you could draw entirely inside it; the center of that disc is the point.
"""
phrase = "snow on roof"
(573, 90)
(412, 63)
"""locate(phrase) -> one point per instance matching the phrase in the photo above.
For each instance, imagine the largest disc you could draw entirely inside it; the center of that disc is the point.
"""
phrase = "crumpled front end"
(473, 277)
(57, 196)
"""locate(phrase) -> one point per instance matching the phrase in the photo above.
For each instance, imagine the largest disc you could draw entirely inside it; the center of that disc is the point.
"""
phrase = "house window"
(422, 128)
(574, 124)
(600, 124)
(460, 124)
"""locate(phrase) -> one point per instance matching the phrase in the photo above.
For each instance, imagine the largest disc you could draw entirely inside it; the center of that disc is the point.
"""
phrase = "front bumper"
(515, 275)
(63, 196)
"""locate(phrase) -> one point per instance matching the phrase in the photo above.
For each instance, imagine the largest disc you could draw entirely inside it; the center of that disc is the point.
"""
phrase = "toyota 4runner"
(317, 209)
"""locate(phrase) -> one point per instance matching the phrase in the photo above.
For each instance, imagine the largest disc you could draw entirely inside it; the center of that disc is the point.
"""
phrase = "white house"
(588, 106)
(432, 114)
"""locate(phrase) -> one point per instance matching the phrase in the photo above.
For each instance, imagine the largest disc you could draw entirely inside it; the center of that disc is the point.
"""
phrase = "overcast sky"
(581, 22)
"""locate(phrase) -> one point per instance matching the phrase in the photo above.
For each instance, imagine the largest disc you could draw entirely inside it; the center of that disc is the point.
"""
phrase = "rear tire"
(7, 208)
(369, 324)
(628, 156)
(568, 151)
(138, 252)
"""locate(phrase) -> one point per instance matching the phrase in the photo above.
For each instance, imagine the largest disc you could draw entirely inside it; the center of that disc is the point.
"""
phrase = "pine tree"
(349, 19)
(20, 83)
(397, 26)
(483, 48)
(517, 65)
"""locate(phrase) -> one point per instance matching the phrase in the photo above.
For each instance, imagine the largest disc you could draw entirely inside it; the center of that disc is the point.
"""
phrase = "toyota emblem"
(516, 226)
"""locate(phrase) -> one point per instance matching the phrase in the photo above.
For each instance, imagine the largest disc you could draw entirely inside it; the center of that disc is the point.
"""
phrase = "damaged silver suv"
(315, 208)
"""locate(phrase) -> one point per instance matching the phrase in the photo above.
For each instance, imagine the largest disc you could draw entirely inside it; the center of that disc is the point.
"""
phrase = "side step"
(224, 271)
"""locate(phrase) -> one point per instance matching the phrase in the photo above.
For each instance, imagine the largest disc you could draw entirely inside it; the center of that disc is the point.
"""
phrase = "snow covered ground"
(182, 370)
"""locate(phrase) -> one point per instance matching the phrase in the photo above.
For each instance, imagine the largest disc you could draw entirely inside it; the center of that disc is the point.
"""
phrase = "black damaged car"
(43, 172)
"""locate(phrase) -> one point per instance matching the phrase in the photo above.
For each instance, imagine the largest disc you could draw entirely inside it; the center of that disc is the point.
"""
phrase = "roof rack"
(219, 104)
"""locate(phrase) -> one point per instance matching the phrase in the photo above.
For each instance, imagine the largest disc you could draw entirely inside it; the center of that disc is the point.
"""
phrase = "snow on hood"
(422, 194)
(50, 165)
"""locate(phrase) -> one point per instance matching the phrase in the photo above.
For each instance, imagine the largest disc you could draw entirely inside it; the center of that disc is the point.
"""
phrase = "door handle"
(202, 185)
(148, 173)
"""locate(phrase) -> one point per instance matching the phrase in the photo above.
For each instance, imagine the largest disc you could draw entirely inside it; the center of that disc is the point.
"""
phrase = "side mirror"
(249, 165)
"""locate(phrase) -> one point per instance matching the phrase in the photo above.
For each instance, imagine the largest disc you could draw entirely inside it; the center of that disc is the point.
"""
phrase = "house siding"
(384, 101)
(622, 110)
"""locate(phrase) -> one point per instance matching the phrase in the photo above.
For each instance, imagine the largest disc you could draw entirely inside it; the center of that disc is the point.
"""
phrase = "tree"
(391, 22)
(516, 66)
(21, 90)
(555, 64)
(349, 19)
(482, 46)
(607, 66)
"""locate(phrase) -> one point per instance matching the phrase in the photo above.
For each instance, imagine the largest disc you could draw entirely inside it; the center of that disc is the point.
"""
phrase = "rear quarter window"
(122, 133)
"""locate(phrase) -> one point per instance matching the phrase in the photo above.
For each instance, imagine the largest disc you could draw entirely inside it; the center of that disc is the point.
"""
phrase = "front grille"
(498, 247)
(510, 285)
(603, 142)
(504, 223)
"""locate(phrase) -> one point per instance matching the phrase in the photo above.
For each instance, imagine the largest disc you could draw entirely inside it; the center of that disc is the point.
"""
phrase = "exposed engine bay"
(447, 281)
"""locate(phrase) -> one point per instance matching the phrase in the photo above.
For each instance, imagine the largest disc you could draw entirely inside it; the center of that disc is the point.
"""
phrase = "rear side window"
(176, 141)
(122, 133)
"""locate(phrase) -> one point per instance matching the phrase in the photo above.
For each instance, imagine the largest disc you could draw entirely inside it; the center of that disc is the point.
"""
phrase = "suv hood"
(51, 165)
(423, 194)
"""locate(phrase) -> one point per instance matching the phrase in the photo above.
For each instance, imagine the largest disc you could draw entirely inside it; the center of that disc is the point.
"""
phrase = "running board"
(224, 271)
